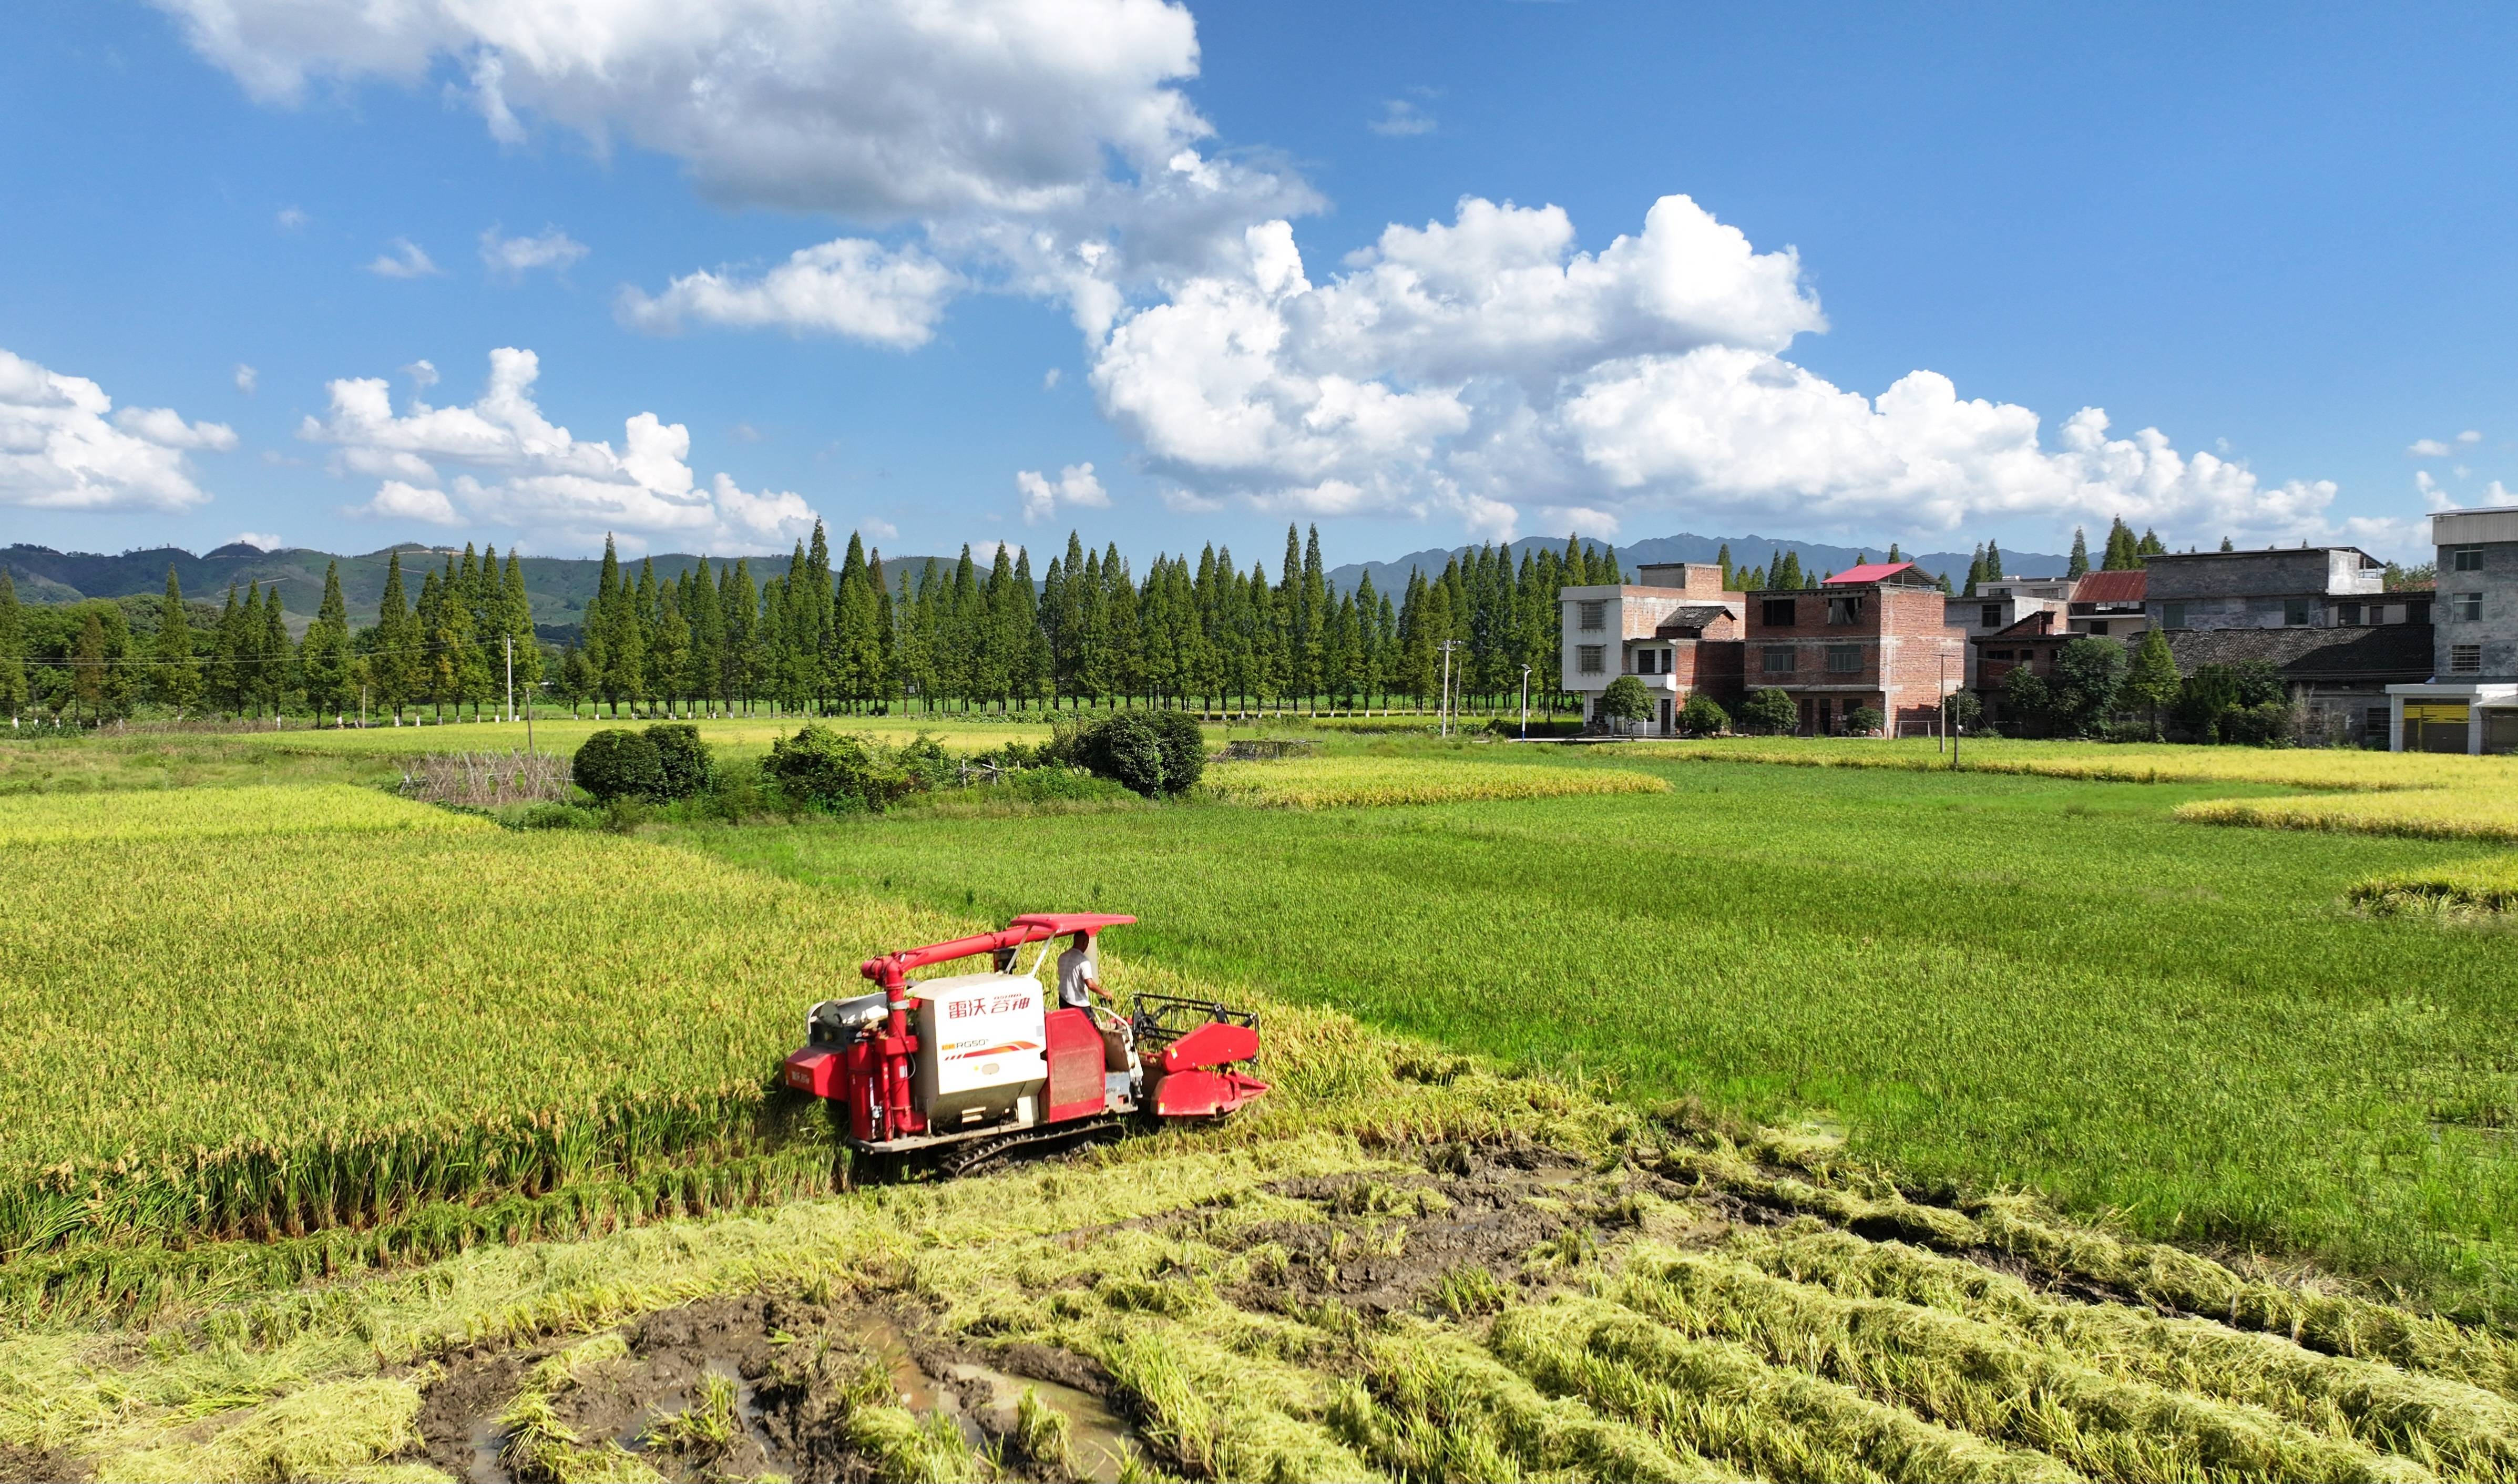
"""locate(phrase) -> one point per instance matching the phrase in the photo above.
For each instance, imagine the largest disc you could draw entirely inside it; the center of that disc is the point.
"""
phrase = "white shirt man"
(1079, 975)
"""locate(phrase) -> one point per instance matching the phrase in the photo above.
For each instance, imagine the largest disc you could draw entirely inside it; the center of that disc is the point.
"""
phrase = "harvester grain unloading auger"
(974, 1066)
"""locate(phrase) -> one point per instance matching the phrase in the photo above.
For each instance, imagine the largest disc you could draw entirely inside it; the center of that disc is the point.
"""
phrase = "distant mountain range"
(560, 586)
(1746, 551)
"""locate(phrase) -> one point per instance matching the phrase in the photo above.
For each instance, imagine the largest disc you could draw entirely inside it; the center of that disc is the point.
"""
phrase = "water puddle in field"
(674, 1358)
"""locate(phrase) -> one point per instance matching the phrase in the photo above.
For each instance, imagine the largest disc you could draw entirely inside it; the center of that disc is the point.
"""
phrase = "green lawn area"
(1985, 981)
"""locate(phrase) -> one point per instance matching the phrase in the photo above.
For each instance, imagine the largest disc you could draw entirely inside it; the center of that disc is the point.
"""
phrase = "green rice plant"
(1968, 1375)
(1773, 1422)
(539, 1447)
(1315, 783)
(2135, 1015)
(2460, 813)
(703, 1430)
(48, 819)
(336, 1429)
(281, 1040)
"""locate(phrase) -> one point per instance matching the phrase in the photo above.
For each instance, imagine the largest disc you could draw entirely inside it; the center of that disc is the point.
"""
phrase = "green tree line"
(811, 635)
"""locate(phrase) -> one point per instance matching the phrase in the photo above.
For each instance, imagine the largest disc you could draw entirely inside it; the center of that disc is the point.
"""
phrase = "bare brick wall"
(1906, 650)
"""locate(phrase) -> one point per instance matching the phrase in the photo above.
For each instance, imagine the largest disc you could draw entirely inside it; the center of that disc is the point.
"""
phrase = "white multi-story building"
(2470, 701)
(1676, 628)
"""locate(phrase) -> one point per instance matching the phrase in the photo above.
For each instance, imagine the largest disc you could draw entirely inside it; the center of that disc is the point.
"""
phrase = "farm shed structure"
(2467, 699)
(2109, 605)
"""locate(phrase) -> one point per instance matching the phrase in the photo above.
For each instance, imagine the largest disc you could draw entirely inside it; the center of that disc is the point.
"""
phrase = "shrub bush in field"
(1863, 720)
(619, 764)
(822, 769)
(1769, 711)
(687, 767)
(1126, 749)
(1702, 716)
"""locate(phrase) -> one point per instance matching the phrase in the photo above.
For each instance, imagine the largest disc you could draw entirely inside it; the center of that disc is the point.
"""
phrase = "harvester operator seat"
(1079, 980)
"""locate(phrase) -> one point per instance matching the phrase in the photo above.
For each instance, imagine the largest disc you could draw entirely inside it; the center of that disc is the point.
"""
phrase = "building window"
(1844, 610)
(2374, 727)
(2418, 613)
(2347, 614)
(2469, 559)
(1592, 613)
(1844, 658)
(1777, 613)
(1590, 659)
(1778, 660)
(2172, 615)
(1992, 617)
(2465, 659)
(2469, 606)
(2295, 611)
(2099, 626)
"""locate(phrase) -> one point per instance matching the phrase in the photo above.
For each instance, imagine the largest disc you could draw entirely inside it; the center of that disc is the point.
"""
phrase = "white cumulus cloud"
(1400, 119)
(259, 540)
(1487, 371)
(246, 378)
(510, 259)
(60, 451)
(1075, 485)
(403, 258)
(850, 287)
(513, 466)
(2427, 447)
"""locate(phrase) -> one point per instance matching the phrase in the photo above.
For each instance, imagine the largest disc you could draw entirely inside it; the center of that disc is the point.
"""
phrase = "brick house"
(1676, 628)
(1999, 603)
(2030, 643)
(2469, 702)
(1874, 635)
(2279, 587)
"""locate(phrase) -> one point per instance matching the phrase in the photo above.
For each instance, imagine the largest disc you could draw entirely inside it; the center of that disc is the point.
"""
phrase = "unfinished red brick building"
(1873, 635)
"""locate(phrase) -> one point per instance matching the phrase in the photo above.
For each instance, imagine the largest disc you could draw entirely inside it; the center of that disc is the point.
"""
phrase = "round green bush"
(826, 770)
(619, 764)
(1863, 720)
(689, 767)
(1702, 716)
(1770, 710)
(1126, 749)
(1184, 747)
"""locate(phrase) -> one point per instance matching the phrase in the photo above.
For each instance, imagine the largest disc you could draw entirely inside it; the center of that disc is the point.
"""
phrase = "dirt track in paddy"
(1468, 1207)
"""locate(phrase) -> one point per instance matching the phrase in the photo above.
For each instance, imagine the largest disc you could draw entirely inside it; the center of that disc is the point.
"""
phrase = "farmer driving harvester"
(1079, 985)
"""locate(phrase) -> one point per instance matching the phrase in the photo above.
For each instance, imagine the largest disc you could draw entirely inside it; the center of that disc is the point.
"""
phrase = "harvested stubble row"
(2467, 814)
(1370, 781)
(274, 1034)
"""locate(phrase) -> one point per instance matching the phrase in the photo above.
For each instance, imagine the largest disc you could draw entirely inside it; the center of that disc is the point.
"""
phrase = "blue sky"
(2279, 241)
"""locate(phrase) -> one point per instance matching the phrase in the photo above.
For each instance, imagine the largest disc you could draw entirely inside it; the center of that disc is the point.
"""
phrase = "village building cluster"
(1879, 646)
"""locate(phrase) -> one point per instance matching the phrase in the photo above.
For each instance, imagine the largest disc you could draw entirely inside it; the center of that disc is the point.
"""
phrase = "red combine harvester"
(976, 1065)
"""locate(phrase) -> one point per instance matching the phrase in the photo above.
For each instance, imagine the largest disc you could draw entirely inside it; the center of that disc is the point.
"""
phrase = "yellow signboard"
(2436, 711)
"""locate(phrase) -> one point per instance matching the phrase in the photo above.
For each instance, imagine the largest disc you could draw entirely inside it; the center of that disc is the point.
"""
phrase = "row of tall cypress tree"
(822, 636)
(813, 635)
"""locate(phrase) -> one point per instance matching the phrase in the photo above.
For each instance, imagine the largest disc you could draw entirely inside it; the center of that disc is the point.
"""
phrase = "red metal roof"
(2112, 587)
(1869, 572)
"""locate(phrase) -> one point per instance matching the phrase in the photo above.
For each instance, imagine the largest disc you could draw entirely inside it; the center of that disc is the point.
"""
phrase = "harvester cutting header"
(988, 1062)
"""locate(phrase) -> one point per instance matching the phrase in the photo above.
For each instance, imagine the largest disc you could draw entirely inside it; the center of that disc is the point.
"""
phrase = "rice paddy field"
(1637, 1116)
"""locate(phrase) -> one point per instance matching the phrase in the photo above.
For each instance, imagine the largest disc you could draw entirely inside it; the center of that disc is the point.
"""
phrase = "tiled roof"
(2386, 652)
(2032, 626)
(1690, 621)
(2112, 587)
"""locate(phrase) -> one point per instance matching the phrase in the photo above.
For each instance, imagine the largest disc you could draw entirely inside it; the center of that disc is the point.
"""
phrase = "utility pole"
(1941, 731)
(1443, 710)
(510, 641)
(1524, 703)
